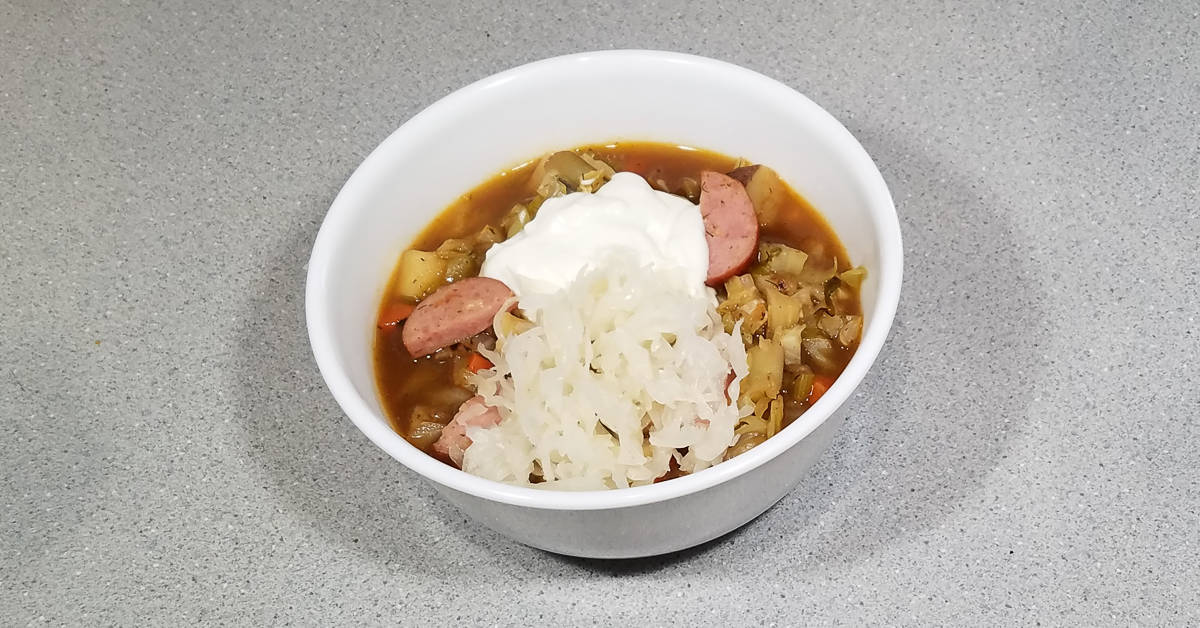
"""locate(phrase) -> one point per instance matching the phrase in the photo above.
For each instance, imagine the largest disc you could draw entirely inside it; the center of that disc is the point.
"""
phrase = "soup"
(466, 363)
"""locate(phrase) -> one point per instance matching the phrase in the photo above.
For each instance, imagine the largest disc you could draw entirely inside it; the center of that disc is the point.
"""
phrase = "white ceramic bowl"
(498, 122)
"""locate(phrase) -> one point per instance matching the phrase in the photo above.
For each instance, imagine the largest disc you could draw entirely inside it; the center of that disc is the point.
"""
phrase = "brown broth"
(405, 382)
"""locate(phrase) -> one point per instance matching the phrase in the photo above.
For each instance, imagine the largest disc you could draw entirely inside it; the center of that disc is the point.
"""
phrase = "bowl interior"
(561, 103)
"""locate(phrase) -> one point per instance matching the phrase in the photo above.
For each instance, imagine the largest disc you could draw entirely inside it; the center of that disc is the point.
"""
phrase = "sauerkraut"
(616, 375)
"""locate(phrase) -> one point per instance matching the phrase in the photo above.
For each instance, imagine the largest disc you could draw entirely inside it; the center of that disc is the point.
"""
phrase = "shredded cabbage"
(616, 374)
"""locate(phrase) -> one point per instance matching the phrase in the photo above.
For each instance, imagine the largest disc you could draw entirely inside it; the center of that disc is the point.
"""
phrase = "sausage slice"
(730, 226)
(454, 312)
(454, 440)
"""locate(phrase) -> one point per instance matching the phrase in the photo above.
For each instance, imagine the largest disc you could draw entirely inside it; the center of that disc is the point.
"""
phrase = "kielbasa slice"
(730, 226)
(454, 440)
(454, 312)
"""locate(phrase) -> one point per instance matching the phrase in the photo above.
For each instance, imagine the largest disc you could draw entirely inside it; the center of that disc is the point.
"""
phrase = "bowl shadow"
(314, 460)
(936, 413)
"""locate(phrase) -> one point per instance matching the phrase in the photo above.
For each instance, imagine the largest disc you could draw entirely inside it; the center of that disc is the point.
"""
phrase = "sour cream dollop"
(659, 230)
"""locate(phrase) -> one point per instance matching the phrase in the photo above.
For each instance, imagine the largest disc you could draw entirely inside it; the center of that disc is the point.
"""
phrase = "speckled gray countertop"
(1027, 449)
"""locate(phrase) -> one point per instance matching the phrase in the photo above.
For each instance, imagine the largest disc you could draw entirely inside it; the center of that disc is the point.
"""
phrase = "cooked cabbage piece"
(762, 384)
(743, 303)
(568, 171)
(781, 259)
(783, 311)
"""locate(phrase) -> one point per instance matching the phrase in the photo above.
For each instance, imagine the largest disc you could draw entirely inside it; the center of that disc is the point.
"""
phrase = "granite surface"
(1025, 451)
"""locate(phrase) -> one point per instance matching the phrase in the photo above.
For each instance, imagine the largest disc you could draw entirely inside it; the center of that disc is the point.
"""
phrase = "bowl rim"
(882, 213)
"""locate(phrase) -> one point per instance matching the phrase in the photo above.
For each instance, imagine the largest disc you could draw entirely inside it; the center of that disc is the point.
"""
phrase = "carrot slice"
(821, 383)
(478, 363)
(394, 313)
